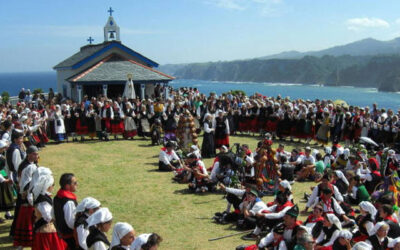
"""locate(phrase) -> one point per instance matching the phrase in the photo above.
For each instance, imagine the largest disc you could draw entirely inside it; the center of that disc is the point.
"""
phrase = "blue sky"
(36, 35)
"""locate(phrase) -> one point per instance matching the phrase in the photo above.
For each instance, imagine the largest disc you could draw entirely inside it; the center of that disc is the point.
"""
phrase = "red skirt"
(81, 129)
(360, 238)
(107, 123)
(117, 128)
(253, 125)
(242, 126)
(48, 241)
(222, 141)
(23, 232)
(271, 126)
(130, 133)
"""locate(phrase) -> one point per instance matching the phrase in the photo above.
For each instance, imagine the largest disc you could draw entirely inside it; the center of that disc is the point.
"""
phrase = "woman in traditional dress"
(59, 127)
(129, 122)
(84, 209)
(330, 232)
(169, 119)
(323, 131)
(99, 224)
(221, 130)
(6, 188)
(365, 221)
(46, 237)
(379, 240)
(68, 124)
(208, 147)
(144, 124)
(91, 121)
(122, 237)
(117, 123)
(81, 121)
(107, 114)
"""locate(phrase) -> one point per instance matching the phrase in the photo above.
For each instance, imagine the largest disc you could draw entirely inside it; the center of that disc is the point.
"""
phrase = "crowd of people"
(348, 175)
(41, 221)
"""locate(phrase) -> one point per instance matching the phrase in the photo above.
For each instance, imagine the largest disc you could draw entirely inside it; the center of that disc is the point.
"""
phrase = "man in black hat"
(168, 159)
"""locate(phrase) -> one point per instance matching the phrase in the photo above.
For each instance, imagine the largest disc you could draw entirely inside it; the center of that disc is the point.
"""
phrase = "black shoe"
(218, 214)
(250, 236)
(9, 217)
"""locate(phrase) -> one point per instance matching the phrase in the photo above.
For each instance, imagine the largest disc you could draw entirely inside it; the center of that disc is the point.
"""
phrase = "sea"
(13, 82)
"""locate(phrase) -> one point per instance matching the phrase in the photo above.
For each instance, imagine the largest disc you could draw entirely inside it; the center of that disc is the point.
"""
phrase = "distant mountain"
(368, 46)
(365, 63)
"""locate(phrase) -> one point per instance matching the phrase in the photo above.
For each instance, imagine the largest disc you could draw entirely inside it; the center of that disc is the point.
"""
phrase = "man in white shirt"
(168, 159)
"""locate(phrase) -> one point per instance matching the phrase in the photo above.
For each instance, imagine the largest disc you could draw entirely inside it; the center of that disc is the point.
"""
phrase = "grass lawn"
(123, 176)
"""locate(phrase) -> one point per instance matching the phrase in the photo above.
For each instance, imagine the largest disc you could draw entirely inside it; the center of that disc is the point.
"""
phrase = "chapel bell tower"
(111, 29)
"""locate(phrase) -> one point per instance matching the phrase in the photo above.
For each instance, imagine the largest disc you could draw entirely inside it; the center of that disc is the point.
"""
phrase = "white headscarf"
(378, 226)
(285, 184)
(394, 242)
(44, 182)
(334, 220)
(120, 230)
(328, 150)
(35, 176)
(100, 216)
(341, 176)
(362, 246)
(346, 234)
(367, 206)
(87, 203)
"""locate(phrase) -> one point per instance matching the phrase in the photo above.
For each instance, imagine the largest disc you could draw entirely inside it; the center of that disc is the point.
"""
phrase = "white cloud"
(356, 24)
(264, 7)
(228, 4)
(397, 21)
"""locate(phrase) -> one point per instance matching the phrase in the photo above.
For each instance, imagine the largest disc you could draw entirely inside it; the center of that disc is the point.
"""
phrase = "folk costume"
(329, 234)
(366, 222)
(120, 230)
(46, 237)
(208, 146)
(81, 121)
(166, 158)
(64, 211)
(81, 229)
(129, 122)
(59, 127)
(221, 131)
(6, 189)
(97, 240)
(117, 123)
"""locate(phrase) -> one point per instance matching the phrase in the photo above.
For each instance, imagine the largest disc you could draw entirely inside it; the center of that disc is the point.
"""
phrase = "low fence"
(14, 99)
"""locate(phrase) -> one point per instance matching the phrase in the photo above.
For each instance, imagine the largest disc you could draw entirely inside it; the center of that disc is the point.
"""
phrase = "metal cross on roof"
(90, 40)
(110, 11)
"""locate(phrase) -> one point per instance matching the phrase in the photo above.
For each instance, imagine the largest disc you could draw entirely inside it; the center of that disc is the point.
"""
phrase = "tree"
(5, 96)
(37, 91)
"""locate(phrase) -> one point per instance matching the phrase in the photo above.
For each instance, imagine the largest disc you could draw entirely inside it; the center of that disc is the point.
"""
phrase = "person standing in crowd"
(122, 237)
(221, 130)
(99, 224)
(6, 187)
(45, 237)
(84, 209)
(64, 208)
(208, 147)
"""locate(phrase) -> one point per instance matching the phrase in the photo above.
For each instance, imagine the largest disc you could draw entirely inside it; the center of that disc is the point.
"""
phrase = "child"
(45, 236)
(122, 237)
(99, 224)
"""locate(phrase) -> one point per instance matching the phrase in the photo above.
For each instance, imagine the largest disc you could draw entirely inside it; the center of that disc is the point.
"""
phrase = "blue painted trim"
(115, 45)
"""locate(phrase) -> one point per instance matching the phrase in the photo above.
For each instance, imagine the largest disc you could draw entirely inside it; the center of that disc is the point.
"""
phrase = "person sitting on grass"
(122, 237)
(317, 191)
(387, 215)
(198, 174)
(305, 165)
(270, 216)
(365, 221)
(291, 226)
(330, 232)
(314, 222)
(379, 239)
(168, 159)
(357, 191)
(343, 242)
(99, 224)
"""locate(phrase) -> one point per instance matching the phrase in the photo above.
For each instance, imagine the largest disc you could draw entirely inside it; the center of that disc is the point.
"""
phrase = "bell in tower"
(111, 29)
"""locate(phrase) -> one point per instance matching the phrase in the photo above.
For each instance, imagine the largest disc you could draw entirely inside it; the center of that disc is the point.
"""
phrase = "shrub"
(38, 91)
(5, 96)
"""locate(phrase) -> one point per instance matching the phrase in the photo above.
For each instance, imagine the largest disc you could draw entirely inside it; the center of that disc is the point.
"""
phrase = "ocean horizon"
(14, 82)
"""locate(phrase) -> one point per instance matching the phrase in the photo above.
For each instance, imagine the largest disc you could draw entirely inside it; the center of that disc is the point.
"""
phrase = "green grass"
(122, 175)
